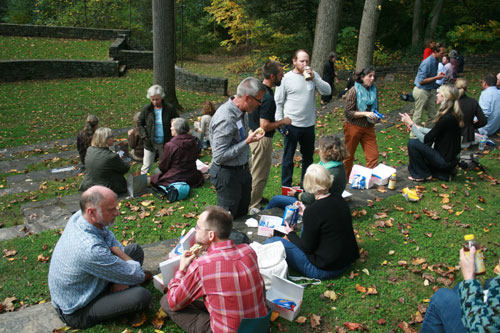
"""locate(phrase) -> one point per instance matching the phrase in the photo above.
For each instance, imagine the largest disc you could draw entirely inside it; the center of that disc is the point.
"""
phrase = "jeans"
(426, 161)
(280, 201)
(444, 313)
(304, 136)
(298, 261)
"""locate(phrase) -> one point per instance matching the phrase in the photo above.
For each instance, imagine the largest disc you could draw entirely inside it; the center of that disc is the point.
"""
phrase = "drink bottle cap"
(469, 237)
(394, 175)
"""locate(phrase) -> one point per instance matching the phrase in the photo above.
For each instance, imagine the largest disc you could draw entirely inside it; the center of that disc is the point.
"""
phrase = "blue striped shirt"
(82, 265)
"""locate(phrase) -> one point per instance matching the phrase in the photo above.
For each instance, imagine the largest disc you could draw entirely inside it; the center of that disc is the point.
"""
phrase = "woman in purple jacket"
(178, 163)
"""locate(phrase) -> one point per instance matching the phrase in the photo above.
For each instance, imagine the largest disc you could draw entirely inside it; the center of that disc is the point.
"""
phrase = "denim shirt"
(428, 68)
(489, 101)
(82, 265)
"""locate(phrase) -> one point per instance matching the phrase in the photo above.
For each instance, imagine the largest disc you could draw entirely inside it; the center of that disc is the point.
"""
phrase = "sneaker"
(254, 211)
(264, 201)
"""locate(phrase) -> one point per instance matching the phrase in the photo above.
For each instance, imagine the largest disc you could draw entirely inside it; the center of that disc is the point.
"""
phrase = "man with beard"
(92, 277)
(295, 99)
(263, 117)
(227, 277)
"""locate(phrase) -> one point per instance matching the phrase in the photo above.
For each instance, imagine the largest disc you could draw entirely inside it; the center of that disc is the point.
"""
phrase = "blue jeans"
(280, 201)
(444, 313)
(298, 261)
(304, 136)
(426, 161)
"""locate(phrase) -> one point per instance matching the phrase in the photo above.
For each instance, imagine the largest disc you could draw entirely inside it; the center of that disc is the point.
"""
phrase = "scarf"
(366, 97)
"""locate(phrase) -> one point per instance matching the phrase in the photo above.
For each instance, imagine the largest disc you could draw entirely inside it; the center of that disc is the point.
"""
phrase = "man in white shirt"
(295, 99)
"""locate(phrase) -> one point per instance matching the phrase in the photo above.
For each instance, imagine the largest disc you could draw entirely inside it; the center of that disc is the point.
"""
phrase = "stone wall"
(28, 30)
(15, 70)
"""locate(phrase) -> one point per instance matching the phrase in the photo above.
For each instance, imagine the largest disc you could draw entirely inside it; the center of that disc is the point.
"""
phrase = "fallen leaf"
(372, 290)
(331, 295)
(352, 326)
(401, 300)
(159, 319)
(9, 253)
(127, 330)
(140, 321)
(391, 252)
(42, 258)
(381, 321)
(147, 203)
(299, 320)
(404, 325)
(418, 261)
(402, 263)
(8, 304)
(360, 288)
(315, 320)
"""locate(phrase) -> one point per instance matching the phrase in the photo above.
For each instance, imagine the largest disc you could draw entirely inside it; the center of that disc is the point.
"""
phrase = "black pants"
(109, 305)
(234, 188)
(305, 137)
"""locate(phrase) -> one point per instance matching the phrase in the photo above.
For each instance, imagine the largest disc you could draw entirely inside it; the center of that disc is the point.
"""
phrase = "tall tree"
(416, 33)
(164, 49)
(327, 29)
(433, 20)
(367, 33)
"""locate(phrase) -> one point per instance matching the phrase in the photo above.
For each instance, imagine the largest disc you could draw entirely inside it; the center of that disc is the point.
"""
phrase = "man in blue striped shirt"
(92, 277)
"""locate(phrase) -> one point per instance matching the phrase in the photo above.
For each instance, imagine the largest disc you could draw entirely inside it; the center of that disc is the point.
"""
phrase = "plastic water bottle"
(482, 143)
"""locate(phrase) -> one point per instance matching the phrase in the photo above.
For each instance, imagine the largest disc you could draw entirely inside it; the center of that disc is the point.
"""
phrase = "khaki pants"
(261, 166)
(149, 157)
(424, 100)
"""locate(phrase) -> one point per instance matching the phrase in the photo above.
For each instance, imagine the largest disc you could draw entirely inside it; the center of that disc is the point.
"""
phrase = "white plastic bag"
(272, 260)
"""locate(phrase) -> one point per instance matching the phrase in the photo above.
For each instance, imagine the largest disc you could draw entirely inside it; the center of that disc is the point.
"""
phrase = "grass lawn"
(17, 48)
(408, 249)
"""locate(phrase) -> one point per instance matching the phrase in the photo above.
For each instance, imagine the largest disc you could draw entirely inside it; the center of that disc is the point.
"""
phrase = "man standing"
(295, 99)
(227, 277)
(425, 86)
(263, 117)
(92, 278)
(489, 101)
(229, 172)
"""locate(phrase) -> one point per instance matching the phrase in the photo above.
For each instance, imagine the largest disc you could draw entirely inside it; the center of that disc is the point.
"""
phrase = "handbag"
(272, 260)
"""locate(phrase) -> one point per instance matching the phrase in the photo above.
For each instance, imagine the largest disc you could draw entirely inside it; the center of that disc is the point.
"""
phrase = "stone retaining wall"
(15, 70)
(28, 30)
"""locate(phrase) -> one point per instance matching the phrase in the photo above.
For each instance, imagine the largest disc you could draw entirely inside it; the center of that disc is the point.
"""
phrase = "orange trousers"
(353, 135)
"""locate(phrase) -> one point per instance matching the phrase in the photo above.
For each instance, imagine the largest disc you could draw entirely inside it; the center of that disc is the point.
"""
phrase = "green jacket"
(146, 123)
(103, 167)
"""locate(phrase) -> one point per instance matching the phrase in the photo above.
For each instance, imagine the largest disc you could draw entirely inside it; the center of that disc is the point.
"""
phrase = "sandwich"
(196, 249)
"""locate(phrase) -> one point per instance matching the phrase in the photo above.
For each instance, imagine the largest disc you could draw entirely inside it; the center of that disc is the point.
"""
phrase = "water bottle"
(482, 143)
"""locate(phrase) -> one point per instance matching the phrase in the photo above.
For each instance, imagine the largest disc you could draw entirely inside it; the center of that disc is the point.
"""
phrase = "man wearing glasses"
(229, 138)
(295, 99)
(227, 278)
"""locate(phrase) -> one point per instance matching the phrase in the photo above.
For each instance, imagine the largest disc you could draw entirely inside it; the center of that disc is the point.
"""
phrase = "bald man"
(92, 277)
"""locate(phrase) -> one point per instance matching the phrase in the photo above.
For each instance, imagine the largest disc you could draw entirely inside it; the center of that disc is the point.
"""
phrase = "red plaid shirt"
(228, 276)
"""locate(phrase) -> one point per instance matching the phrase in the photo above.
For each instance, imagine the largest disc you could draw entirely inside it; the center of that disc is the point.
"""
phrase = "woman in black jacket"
(473, 116)
(329, 76)
(327, 245)
(435, 152)
(154, 125)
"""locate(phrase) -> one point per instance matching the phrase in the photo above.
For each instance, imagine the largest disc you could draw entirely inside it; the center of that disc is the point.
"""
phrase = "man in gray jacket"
(229, 139)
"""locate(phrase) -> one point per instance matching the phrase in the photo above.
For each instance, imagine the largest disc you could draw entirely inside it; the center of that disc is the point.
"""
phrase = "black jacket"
(146, 123)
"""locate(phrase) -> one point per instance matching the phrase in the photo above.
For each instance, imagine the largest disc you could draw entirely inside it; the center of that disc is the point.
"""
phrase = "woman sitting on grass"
(104, 167)
(85, 136)
(332, 152)
(327, 246)
(470, 110)
(435, 152)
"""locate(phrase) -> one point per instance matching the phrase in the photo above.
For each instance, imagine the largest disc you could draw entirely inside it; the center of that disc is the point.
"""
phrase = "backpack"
(175, 191)
(469, 162)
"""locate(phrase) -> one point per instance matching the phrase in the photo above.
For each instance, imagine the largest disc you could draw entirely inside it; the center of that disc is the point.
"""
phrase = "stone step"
(40, 318)
(21, 164)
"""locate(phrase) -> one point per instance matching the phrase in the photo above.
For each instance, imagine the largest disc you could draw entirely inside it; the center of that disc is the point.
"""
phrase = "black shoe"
(264, 201)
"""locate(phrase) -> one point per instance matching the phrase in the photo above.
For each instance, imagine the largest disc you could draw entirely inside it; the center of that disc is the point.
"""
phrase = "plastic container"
(307, 75)
(482, 143)
(470, 241)
(392, 182)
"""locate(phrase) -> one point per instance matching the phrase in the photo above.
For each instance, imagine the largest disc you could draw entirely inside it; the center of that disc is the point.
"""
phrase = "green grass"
(413, 234)
(17, 48)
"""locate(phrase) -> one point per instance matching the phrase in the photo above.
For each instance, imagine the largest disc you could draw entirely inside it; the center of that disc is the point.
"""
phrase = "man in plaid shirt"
(227, 277)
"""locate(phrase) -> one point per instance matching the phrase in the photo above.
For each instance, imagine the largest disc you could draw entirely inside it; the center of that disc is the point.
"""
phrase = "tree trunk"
(367, 33)
(433, 20)
(416, 33)
(164, 49)
(325, 35)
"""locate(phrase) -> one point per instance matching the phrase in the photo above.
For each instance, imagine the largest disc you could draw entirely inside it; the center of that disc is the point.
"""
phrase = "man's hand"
(302, 207)
(310, 71)
(130, 131)
(440, 76)
(254, 137)
(467, 263)
(186, 260)
(286, 121)
(119, 253)
(116, 287)
(405, 118)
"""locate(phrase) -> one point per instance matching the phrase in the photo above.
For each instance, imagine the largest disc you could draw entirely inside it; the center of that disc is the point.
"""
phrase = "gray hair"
(93, 197)
(250, 87)
(180, 125)
(155, 90)
(100, 136)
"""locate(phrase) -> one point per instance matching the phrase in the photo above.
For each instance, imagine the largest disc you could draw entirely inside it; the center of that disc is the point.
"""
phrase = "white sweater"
(295, 98)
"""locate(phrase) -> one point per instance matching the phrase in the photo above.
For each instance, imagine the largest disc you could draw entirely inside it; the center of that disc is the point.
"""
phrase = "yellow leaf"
(299, 320)
(146, 203)
(383, 263)
(331, 295)
(274, 315)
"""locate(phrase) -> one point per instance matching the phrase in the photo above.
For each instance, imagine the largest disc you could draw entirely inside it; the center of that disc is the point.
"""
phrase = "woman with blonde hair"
(470, 110)
(104, 167)
(327, 245)
(439, 162)
(85, 136)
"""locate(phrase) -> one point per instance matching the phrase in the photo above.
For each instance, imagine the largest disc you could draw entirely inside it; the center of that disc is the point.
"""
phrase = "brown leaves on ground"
(9, 253)
(159, 319)
(431, 213)
(8, 304)
(300, 320)
(354, 326)
(165, 212)
(357, 214)
(42, 258)
(406, 327)
(275, 315)
(140, 320)
(330, 294)
(315, 320)
(367, 290)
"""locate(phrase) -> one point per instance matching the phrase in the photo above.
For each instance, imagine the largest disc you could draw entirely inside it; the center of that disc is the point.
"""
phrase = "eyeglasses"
(259, 101)
(196, 227)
